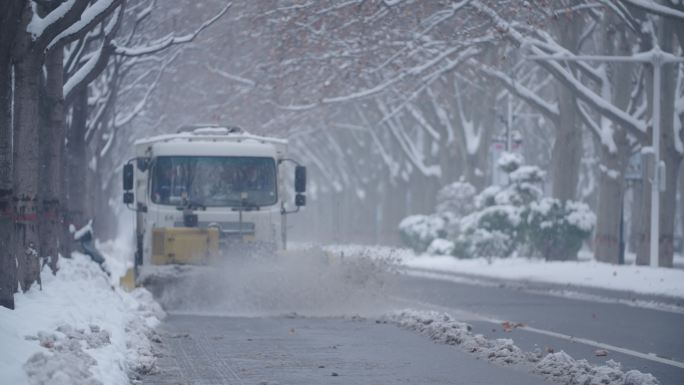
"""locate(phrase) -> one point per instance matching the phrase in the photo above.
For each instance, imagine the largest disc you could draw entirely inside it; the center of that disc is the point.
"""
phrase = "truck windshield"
(213, 181)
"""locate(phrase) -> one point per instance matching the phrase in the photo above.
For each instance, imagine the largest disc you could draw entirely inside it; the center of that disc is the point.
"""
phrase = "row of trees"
(390, 100)
(63, 67)
(429, 106)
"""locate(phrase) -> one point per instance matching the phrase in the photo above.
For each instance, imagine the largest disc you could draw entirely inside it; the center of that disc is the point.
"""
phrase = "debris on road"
(560, 366)
(509, 326)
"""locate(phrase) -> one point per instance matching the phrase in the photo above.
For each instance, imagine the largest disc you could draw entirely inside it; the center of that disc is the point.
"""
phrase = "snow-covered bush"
(501, 220)
(435, 233)
(497, 227)
(441, 246)
(524, 185)
(490, 231)
(509, 161)
(516, 217)
(486, 243)
(557, 230)
(456, 199)
(418, 231)
(487, 197)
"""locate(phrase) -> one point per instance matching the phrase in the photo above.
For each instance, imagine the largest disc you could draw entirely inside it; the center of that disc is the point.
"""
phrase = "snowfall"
(81, 327)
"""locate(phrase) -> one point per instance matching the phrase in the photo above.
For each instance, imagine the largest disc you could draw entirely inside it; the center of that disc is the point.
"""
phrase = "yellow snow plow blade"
(184, 245)
(127, 282)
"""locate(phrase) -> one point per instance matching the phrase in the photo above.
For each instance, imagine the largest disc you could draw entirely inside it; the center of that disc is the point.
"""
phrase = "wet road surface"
(281, 350)
(227, 349)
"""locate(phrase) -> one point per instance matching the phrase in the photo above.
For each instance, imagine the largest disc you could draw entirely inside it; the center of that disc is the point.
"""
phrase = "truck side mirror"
(143, 164)
(300, 200)
(128, 177)
(128, 197)
(300, 179)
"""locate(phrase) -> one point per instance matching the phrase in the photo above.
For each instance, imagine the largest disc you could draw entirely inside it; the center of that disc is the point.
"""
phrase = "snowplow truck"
(206, 192)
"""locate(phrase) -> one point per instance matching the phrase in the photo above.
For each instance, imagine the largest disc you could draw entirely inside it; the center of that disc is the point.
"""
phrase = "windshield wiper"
(191, 205)
(246, 205)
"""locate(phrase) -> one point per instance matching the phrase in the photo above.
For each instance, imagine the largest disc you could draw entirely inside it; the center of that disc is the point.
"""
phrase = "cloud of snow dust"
(305, 282)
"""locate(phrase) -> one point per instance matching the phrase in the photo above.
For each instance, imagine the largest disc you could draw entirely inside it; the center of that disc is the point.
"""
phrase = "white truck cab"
(208, 190)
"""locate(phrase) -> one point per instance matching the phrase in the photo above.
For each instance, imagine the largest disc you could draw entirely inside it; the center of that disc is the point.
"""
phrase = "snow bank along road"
(243, 338)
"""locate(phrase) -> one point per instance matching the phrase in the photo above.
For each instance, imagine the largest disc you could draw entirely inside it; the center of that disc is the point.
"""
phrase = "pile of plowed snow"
(558, 367)
(79, 329)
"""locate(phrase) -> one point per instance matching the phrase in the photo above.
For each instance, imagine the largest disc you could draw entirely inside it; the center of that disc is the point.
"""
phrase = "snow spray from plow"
(303, 282)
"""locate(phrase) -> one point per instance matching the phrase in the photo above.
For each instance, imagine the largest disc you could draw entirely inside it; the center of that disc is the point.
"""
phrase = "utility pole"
(656, 58)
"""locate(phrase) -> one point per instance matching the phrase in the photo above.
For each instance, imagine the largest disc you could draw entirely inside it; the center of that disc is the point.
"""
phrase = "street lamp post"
(657, 58)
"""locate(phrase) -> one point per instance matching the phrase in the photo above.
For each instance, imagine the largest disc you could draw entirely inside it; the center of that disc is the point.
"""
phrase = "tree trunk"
(52, 148)
(567, 149)
(394, 210)
(667, 209)
(478, 170)
(77, 164)
(611, 197)
(643, 234)
(566, 154)
(613, 161)
(636, 217)
(10, 14)
(27, 161)
(8, 266)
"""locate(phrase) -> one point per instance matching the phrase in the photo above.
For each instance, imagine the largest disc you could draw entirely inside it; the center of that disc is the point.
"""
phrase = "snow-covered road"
(212, 342)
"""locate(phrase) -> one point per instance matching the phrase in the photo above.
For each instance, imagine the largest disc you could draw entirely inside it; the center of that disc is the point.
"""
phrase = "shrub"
(418, 231)
(489, 244)
(555, 230)
(509, 162)
(491, 231)
(455, 201)
(501, 220)
(441, 246)
(456, 198)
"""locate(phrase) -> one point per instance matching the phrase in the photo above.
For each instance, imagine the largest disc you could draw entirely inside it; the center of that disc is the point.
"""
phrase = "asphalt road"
(281, 350)
(636, 337)
(226, 349)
